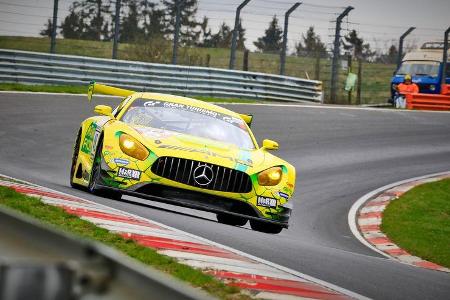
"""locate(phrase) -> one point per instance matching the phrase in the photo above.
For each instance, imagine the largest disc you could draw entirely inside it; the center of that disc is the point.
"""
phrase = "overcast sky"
(379, 22)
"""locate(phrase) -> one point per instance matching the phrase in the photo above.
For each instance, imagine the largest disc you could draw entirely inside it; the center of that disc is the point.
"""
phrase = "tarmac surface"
(340, 154)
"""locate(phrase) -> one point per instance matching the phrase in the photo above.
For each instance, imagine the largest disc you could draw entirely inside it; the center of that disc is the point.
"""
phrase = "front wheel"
(73, 167)
(265, 227)
(93, 186)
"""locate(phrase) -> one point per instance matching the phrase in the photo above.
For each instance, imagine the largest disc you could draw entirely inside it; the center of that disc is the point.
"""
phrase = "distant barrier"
(427, 102)
(43, 68)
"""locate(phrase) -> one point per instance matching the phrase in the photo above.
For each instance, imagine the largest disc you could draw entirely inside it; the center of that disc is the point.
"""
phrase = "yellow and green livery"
(186, 152)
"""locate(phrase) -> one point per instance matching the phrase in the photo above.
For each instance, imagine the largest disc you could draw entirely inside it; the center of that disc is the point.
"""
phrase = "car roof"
(187, 101)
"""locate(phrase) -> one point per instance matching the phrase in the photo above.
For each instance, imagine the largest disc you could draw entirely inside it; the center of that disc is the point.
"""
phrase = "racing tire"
(265, 227)
(93, 186)
(231, 220)
(73, 166)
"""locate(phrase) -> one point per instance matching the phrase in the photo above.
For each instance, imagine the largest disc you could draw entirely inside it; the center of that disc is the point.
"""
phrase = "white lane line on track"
(353, 212)
(260, 260)
(324, 106)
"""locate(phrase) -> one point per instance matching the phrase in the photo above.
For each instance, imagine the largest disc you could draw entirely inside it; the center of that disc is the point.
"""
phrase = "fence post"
(235, 33)
(116, 30)
(336, 52)
(349, 70)
(208, 59)
(176, 32)
(359, 82)
(400, 45)
(317, 66)
(54, 26)
(445, 57)
(245, 61)
(285, 31)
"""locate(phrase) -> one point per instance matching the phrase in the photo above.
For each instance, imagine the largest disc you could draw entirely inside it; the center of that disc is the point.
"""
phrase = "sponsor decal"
(87, 145)
(121, 161)
(129, 173)
(284, 195)
(155, 133)
(247, 162)
(266, 202)
(151, 103)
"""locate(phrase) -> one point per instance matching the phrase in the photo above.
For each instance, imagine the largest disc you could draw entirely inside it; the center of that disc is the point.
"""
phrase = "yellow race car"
(185, 152)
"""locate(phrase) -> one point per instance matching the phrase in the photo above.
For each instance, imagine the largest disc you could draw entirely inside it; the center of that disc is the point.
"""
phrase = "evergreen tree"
(153, 19)
(73, 26)
(356, 45)
(272, 39)
(130, 30)
(222, 39)
(205, 34)
(189, 34)
(311, 46)
(88, 19)
(47, 31)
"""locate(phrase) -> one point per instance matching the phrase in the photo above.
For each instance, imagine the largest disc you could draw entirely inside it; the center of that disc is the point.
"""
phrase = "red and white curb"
(366, 215)
(261, 279)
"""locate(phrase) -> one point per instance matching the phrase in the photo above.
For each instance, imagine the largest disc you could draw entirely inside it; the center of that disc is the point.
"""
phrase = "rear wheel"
(265, 227)
(73, 167)
(231, 220)
(94, 180)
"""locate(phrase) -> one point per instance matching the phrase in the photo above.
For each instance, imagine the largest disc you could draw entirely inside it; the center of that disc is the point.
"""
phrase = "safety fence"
(42, 68)
(427, 102)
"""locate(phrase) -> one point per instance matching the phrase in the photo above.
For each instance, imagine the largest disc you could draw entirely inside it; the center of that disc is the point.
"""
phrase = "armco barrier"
(43, 68)
(427, 102)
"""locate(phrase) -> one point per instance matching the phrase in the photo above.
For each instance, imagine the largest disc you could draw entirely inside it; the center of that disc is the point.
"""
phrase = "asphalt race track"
(340, 154)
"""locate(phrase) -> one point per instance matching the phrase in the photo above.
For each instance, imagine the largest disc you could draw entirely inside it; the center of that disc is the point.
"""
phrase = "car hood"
(169, 143)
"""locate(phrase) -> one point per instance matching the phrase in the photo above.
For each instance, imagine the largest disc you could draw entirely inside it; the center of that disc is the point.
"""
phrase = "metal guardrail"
(39, 262)
(43, 68)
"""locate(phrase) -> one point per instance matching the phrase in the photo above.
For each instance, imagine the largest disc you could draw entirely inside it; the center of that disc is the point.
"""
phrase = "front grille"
(182, 170)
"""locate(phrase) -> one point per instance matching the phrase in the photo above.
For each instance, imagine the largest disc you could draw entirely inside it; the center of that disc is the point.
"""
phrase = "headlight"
(131, 147)
(432, 87)
(270, 176)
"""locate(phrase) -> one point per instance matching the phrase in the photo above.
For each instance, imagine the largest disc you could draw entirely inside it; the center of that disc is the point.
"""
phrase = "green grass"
(419, 221)
(80, 89)
(375, 83)
(58, 218)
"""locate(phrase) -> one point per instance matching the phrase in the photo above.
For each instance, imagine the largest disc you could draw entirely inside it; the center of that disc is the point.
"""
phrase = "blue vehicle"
(425, 66)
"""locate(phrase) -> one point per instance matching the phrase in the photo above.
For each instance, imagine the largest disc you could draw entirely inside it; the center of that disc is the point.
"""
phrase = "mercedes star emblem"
(203, 175)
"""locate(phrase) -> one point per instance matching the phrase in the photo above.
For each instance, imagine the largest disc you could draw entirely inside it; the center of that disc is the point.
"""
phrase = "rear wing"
(107, 90)
(247, 118)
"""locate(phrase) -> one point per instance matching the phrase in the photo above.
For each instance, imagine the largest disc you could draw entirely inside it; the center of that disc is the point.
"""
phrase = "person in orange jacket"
(407, 87)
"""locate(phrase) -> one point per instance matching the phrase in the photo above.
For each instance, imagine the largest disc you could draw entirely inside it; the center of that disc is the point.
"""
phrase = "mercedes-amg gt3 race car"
(185, 152)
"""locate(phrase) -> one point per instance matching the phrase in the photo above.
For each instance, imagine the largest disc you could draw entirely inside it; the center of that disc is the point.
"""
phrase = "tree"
(272, 39)
(73, 26)
(130, 30)
(189, 34)
(390, 57)
(222, 39)
(311, 46)
(357, 46)
(153, 20)
(205, 34)
(87, 19)
(47, 31)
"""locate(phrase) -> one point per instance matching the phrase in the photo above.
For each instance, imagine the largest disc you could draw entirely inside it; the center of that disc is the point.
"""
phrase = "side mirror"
(270, 145)
(104, 110)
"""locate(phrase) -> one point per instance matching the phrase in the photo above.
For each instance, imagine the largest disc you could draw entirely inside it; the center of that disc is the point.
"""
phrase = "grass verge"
(419, 222)
(57, 217)
(81, 89)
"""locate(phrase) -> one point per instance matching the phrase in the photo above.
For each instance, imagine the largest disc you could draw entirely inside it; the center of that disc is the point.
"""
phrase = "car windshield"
(187, 119)
(419, 68)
